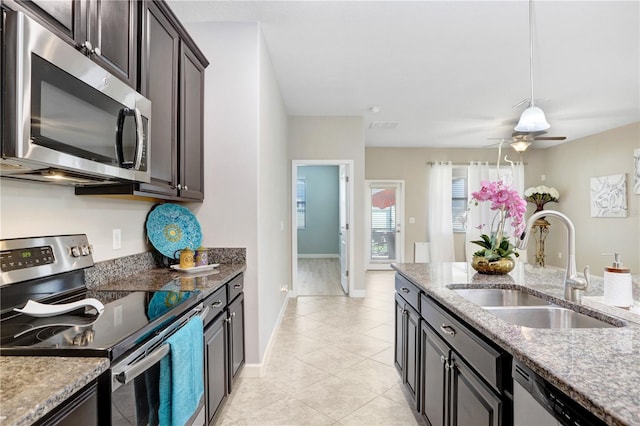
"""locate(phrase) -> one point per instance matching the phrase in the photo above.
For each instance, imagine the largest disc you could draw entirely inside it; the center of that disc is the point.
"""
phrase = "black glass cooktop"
(128, 319)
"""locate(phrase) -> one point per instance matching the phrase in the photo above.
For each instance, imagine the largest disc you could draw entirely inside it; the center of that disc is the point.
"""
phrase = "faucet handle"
(587, 277)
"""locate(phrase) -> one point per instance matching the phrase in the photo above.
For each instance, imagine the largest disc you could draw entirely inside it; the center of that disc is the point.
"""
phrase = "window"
(301, 203)
(459, 198)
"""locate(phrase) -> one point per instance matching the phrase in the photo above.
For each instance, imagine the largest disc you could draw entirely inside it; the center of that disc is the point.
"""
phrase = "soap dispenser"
(617, 283)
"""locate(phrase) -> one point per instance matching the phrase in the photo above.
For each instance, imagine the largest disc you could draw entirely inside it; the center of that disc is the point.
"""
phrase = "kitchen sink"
(546, 317)
(521, 308)
(500, 297)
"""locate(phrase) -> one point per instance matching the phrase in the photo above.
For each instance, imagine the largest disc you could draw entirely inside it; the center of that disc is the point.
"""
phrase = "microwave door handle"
(139, 138)
(134, 370)
(119, 130)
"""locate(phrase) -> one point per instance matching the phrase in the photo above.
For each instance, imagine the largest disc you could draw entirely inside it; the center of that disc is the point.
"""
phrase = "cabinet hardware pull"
(237, 286)
(216, 304)
(233, 314)
(406, 290)
(227, 319)
(443, 359)
(447, 329)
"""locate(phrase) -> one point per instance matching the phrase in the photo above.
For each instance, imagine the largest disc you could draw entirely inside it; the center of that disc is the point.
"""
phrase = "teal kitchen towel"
(181, 375)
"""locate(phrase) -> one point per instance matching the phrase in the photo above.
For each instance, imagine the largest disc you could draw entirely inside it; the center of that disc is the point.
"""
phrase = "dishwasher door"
(538, 403)
(527, 411)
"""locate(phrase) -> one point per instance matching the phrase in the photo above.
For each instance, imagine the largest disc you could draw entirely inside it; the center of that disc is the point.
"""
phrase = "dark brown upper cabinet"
(106, 31)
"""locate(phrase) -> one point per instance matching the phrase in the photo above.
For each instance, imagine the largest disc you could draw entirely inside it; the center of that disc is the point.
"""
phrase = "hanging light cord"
(531, 48)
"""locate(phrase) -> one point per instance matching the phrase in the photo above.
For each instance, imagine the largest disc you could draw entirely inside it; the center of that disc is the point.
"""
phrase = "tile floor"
(331, 363)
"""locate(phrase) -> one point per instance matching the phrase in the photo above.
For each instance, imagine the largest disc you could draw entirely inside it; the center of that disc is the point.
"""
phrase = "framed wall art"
(609, 196)
(636, 171)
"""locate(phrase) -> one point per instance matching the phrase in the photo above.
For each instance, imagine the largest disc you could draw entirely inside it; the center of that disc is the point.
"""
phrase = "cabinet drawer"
(216, 304)
(483, 358)
(409, 291)
(235, 287)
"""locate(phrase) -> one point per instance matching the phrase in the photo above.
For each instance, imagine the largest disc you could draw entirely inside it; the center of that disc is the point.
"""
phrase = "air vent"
(383, 124)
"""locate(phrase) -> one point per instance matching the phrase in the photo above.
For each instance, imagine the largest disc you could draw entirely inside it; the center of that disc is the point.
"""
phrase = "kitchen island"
(598, 368)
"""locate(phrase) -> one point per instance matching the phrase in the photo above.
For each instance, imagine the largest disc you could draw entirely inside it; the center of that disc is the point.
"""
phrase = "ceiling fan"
(520, 141)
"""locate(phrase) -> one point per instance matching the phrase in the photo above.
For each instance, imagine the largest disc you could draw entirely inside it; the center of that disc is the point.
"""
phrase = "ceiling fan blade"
(550, 138)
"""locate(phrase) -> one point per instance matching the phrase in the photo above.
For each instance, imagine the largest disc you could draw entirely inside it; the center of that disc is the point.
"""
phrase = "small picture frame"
(609, 196)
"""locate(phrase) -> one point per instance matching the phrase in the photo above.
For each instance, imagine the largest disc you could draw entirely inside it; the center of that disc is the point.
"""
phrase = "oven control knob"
(85, 250)
(75, 251)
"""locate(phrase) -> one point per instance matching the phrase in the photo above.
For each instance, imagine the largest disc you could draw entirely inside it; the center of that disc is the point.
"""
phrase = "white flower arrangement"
(540, 195)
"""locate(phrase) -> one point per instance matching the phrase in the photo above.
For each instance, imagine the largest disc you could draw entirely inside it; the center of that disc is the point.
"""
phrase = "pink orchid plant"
(508, 204)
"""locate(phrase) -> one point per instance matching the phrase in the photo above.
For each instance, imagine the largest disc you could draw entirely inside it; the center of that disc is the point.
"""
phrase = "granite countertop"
(30, 387)
(596, 367)
(171, 280)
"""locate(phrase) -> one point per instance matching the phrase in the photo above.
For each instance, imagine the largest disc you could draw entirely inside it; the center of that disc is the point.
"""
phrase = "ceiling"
(448, 72)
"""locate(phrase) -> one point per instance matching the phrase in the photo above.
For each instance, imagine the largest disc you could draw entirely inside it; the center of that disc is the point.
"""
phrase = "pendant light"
(532, 118)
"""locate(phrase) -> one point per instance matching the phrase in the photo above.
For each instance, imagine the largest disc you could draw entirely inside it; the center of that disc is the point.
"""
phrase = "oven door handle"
(134, 370)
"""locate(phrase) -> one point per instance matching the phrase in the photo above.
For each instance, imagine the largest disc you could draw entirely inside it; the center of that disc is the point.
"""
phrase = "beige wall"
(570, 167)
(410, 164)
(336, 138)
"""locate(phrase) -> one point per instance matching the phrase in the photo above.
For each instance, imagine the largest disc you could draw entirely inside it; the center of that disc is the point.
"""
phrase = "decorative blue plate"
(171, 227)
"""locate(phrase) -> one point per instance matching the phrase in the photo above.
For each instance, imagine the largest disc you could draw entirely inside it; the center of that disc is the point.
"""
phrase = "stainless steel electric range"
(131, 329)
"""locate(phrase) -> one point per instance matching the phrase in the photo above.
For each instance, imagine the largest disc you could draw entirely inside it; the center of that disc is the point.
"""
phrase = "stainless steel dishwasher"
(538, 403)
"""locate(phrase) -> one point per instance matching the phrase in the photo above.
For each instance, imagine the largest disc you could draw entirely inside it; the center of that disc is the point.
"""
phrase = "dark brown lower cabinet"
(406, 357)
(236, 331)
(224, 351)
(216, 366)
(80, 409)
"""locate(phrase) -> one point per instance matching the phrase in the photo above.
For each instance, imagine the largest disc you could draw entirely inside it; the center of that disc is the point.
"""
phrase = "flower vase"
(501, 266)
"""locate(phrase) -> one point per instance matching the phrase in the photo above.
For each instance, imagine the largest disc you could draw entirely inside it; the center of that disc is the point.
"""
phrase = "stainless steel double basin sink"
(525, 309)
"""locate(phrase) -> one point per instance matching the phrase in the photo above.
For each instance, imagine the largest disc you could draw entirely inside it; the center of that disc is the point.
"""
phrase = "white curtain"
(476, 215)
(482, 213)
(440, 217)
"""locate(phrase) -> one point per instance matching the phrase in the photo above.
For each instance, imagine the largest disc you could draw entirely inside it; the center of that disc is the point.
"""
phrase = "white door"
(385, 235)
(344, 228)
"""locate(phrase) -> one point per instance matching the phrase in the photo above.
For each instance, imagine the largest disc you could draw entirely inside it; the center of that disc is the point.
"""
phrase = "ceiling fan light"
(532, 120)
(520, 146)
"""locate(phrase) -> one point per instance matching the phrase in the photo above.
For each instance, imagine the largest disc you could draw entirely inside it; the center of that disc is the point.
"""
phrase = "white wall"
(246, 174)
(336, 138)
(35, 209)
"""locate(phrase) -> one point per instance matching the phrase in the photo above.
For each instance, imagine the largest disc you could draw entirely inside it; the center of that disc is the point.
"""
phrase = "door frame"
(399, 184)
(294, 225)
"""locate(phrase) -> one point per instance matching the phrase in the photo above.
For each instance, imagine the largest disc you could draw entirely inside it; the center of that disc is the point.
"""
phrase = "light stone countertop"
(30, 387)
(599, 368)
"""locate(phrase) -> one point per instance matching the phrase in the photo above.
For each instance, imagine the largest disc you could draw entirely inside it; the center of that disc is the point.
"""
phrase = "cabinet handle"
(186, 188)
(447, 329)
(233, 314)
(404, 289)
(227, 319)
(443, 359)
(97, 51)
(237, 286)
(179, 186)
(450, 365)
(216, 304)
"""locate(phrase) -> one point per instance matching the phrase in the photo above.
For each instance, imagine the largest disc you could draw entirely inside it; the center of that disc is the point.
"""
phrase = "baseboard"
(319, 256)
(358, 293)
(258, 370)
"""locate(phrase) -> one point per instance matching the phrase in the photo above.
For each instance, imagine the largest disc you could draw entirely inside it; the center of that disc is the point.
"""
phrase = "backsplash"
(113, 269)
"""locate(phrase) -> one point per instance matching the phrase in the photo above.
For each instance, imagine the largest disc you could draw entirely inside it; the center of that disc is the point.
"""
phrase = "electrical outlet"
(117, 239)
(559, 255)
(412, 220)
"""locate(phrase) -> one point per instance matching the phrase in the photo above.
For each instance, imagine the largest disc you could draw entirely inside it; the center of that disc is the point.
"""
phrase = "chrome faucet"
(573, 284)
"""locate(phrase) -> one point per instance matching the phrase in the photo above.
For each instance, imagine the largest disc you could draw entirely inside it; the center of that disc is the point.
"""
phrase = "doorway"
(322, 252)
(385, 231)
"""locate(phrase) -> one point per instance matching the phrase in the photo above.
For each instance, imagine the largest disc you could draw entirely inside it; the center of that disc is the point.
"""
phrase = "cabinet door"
(472, 402)
(236, 346)
(433, 377)
(191, 125)
(398, 354)
(113, 28)
(61, 16)
(159, 83)
(412, 336)
(216, 362)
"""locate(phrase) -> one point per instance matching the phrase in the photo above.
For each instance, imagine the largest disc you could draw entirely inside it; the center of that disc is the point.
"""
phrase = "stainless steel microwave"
(67, 120)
